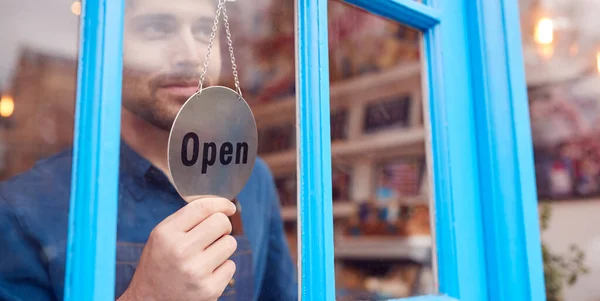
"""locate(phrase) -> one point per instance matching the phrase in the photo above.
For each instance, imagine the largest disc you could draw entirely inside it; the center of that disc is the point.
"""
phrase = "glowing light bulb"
(544, 31)
(7, 106)
(76, 8)
(598, 61)
(546, 51)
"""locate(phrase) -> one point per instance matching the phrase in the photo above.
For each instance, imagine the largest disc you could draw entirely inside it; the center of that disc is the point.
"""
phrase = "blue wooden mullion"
(408, 12)
(91, 242)
(509, 198)
(317, 280)
(459, 232)
(523, 151)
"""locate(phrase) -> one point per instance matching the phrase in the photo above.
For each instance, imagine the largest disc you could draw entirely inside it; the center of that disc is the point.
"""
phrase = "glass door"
(429, 175)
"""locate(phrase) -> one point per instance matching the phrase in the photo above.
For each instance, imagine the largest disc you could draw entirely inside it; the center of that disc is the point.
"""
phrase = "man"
(166, 249)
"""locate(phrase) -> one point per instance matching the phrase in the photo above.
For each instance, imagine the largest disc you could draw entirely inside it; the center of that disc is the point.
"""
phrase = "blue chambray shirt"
(33, 230)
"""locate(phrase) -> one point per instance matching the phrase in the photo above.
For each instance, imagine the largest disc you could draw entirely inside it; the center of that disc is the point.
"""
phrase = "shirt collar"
(132, 163)
(140, 172)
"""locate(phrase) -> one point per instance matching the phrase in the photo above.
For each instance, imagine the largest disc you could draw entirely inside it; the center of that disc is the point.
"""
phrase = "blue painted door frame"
(486, 223)
(91, 241)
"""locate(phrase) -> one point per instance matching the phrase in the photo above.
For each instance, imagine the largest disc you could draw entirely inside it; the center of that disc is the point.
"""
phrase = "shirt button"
(232, 282)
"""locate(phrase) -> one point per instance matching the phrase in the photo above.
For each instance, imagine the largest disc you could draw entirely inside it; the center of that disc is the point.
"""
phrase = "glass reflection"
(166, 248)
(37, 83)
(560, 50)
(381, 208)
(165, 46)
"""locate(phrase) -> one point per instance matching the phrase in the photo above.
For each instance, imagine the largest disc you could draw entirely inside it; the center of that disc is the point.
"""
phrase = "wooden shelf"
(365, 88)
(343, 209)
(417, 248)
(385, 144)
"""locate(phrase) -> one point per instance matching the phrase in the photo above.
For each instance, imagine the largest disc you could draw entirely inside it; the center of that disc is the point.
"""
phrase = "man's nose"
(187, 54)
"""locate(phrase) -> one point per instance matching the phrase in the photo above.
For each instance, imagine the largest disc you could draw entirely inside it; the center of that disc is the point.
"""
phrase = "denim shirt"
(33, 230)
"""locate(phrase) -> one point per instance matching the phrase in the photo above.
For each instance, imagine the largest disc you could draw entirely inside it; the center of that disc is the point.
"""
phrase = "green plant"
(559, 270)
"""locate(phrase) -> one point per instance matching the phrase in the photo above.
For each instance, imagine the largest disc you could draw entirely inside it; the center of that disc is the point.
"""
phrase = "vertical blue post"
(459, 236)
(317, 280)
(508, 189)
(91, 245)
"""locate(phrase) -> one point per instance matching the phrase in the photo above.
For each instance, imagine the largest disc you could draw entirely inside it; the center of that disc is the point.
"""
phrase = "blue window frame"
(92, 237)
(487, 232)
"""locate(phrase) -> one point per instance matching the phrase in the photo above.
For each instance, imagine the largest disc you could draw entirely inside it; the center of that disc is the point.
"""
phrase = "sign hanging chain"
(221, 7)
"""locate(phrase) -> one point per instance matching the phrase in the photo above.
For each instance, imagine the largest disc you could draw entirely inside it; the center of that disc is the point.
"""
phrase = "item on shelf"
(418, 221)
(569, 170)
(424, 187)
(339, 127)
(271, 66)
(566, 147)
(352, 226)
(376, 280)
(287, 184)
(401, 44)
(387, 288)
(353, 295)
(351, 285)
(340, 183)
(374, 220)
(373, 225)
(276, 139)
(291, 234)
(286, 188)
(388, 113)
(403, 220)
(363, 42)
(398, 178)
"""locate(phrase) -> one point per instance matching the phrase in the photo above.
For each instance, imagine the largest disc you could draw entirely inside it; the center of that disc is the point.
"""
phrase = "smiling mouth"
(180, 90)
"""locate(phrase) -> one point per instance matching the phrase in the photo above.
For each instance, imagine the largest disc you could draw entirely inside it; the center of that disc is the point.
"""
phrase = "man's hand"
(187, 255)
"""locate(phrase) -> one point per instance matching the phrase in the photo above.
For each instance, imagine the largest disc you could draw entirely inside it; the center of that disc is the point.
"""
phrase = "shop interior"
(381, 192)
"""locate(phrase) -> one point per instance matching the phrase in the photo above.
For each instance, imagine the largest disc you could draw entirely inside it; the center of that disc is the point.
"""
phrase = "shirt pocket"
(241, 286)
(128, 256)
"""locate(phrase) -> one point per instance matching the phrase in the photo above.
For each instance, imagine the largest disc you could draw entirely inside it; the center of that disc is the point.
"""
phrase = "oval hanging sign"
(212, 145)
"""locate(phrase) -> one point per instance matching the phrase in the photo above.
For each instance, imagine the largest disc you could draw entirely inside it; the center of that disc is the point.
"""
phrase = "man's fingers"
(197, 211)
(219, 252)
(223, 275)
(208, 231)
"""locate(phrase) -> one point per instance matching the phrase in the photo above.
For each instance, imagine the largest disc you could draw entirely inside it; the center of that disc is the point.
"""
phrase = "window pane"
(38, 69)
(165, 45)
(562, 61)
(381, 203)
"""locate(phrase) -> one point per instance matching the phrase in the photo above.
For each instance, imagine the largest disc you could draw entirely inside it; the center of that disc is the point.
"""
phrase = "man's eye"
(202, 33)
(156, 30)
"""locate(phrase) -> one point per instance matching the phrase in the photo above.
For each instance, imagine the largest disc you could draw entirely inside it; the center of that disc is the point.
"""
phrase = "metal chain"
(212, 39)
(221, 7)
(230, 43)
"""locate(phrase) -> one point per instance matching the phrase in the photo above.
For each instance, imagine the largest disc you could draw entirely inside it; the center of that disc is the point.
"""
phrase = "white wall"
(578, 222)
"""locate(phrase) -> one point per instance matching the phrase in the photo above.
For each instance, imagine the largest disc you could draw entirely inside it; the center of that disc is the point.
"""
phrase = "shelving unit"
(416, 248)
(351, 93)
(340, 210)
(344, 209)
(385, 144)
(358, 153)
(354, 95)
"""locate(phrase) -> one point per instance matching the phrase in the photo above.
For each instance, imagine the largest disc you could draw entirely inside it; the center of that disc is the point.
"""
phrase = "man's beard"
(152, 115)
(142, 98)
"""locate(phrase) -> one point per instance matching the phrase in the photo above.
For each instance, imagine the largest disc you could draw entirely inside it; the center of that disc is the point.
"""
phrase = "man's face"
(165, 43)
